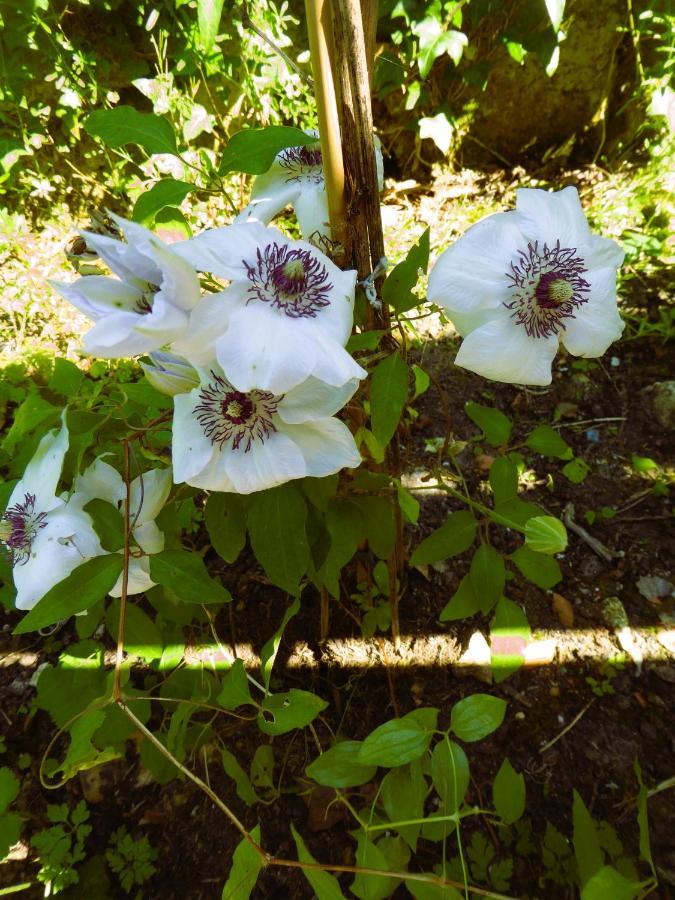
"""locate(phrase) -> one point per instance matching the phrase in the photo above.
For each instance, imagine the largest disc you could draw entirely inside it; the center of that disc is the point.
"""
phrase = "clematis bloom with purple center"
(519, 283)
(285, 316)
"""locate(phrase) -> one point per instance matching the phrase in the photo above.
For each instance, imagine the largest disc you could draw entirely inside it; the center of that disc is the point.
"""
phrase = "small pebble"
(520, 716)
(592, 435)
(615, 361)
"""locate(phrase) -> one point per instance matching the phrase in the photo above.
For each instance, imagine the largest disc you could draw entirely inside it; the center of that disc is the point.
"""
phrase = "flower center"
(295, 281)
(19, 527)
(144, 302)
(302, 164)
(547, 287)
(228, 416)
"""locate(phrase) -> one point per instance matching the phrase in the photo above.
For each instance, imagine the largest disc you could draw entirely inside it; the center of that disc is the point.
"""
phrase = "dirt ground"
(606, 417)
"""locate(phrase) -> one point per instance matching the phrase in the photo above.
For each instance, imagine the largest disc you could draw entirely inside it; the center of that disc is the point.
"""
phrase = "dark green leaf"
(271, 647)
(167, 192)
(125, 125)
(388, 394)
(9, 789)
(10, 832)
(399, 741)
(538, 568)
(253, 150)
(185, 574)
(379, 522)
(276, 524)
(487, 575)
(403, 791)
(108, 524)
(464, 602)
(85, 585)
(503, 480)
(508, 793)
(365, 340)
(450, 774)
(33, 411)
(453, 537)
(547, 441)
(324, 885)
(368, 856)
(241, 780)
(66, 378)
(397, 289)
(346, 528)
(235, 691)
(338, 767)
(142, 638)
(225, 519)
(495, 425)
(476, 716)
(284, 712)
(585, 839)
(246, 866)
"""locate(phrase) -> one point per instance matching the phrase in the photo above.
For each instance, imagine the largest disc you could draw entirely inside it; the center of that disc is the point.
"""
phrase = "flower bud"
(170, 374)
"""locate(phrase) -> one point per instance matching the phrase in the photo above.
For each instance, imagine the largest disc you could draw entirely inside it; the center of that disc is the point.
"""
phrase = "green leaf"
(276, 525)
(379, 523)
(422, 890)
(339, 767)
(545, 534)
(85, 585)
(547, 441)
(33, 411)
(208, 19)
(403, 791)
(324, 885)
(108, 524)
(253, 150)
(556, 10)
(167, 192)
(538, 568)
(509, 633)
(9, 788)
(464, 602)
(234, 690)
(364, 340)
(271, 647)
(450, 774)
(397, 288)
(476, 716)
(125, 125)
(587, 848)
(576, 470)
(225, 520)
(495, 425)
(640, 463)
(346, 527)
(410, 507)
(503, 480)
(388, 395)
(368, 856)
(66, 378)
(246, 866)
(262, 767)
(185, 574)
(10, 832)
(399, 741)
(241, 780)
(453, 537)
(481, 589)
(608, 883)
(280, 713)
(82, 754)
(422, 381)
(508, 793)
(142, 638)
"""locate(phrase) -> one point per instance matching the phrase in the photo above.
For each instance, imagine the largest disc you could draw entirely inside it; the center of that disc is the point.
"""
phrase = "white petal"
(147, 495)
(214, 476)
(149, 538)
(337, 318)
(222, 251)
(264, 349)
(502, 351)
(602, 252)
(267, 464)
(123, 259)
(333, 364)
(42, 473)
(472, 273)
(97, 295)
(165, 323)
(179, 283)
(597, 323)
(466, 322)
(208, 321)
(138, 582)
(548, 217)
(314, 399)
(269, 196)
(191, 450)
(99, 481)
(116, 335)
(327, 446)
(311, 209)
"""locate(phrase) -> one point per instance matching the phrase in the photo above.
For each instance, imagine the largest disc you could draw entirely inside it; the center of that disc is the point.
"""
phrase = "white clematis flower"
(286, 315)
(296, 178)
(518, 283)
(234, 441)
(147, 496)
(142, 309)
(48, 536)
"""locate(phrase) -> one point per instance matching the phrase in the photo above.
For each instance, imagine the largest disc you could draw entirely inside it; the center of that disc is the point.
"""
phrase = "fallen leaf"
(484, 461)
(563, 610)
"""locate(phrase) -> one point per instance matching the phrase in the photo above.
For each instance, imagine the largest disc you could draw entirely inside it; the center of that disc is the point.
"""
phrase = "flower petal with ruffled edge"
(146, 307)
(41, 475)
(499, 351)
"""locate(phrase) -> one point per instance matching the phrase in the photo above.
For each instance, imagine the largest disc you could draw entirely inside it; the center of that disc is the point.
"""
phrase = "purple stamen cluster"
(22, 524)
(294, 281)
(302, 164)
(227, 414)
(547, 287)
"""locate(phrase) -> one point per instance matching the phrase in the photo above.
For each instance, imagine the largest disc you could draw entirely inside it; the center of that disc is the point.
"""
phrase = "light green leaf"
(85, 585)
(453, 537)
(208, 19)
(421, 890)
(246, 866)
(225, 520)
(33, 411)
(324, 885)
(547, 441)
(66, 378)
(576, 470)
(167, 192)
(410, 507)
(125, 125)
(397, 289)
(271, 647)
(403, 791)
(585, 839)
(422, 381)
(399, 741)
(509, 633)
(495, 425)
(276, 524)
(608, 883)
(538, 568)
(388, 395)
(508, 793)
(281, 713)
(82, 754)
(545, 534)
(368, 856)
(241, 780)
(476, 716)
(450, 774)
(262, 768)
(253, 150)
(234, 691)
(185, 574)
(339, 767)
